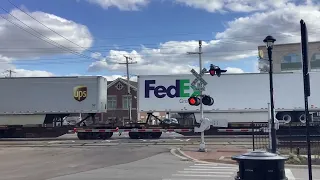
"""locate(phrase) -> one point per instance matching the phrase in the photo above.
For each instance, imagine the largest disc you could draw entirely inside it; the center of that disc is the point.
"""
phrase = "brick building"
(118, 102)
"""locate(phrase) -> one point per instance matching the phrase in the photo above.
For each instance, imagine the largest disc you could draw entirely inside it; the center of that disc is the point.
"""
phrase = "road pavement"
(164, 166)
(34, 163)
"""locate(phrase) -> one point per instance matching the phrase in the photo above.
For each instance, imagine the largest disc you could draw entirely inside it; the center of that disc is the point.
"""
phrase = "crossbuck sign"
(199, 83)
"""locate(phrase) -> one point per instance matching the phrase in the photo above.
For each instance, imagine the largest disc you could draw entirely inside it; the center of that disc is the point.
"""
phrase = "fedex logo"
(181, 88)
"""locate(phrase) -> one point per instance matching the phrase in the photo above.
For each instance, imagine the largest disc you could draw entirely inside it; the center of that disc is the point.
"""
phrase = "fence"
(290, 139)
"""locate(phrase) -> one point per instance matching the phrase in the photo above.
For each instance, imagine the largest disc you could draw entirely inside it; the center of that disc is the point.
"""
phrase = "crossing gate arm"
(132, 130)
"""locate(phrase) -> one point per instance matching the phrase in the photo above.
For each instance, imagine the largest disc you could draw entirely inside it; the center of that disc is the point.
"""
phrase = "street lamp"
(269, 40)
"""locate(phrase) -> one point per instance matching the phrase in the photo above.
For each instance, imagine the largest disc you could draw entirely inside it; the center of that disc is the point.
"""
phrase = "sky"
(91, 37)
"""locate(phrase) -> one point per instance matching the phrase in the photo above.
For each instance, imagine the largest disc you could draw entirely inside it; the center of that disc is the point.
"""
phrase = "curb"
(226, 162)
(200, 161)
(173, 152)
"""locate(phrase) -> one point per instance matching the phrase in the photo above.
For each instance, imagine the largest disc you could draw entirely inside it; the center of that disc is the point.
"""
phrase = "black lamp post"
(269, 40)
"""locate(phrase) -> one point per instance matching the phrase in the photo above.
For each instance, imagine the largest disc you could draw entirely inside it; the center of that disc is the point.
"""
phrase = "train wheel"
(156, 135)
(82, 136)
(134, 135)
(106, 135)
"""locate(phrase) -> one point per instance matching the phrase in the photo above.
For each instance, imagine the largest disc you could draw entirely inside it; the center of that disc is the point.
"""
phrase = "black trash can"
(260, 165)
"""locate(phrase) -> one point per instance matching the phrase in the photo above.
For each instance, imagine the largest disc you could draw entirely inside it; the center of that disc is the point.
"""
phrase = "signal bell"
(194, 101)
(207, 100)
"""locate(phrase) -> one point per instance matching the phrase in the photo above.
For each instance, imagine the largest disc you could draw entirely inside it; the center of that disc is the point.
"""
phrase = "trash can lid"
(259, 155)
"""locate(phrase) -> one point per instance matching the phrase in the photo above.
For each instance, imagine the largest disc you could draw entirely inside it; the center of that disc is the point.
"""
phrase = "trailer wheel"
(134, 135)
(106, 135)
(285, 116)
(302, 117)
(156, 135)
(81, 135)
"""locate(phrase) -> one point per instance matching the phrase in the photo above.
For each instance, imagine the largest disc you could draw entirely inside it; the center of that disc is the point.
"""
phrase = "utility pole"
(10, 72)
(128, 84)
(202, 145)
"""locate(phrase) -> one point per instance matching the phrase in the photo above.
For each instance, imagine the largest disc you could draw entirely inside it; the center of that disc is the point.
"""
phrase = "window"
(291, 62)
(119, 86)
(315, 61)
(126, 99)
(291, 58)
(112, 102)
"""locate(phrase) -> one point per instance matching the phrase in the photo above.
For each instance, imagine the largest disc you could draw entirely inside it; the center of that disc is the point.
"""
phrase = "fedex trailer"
(238, 98)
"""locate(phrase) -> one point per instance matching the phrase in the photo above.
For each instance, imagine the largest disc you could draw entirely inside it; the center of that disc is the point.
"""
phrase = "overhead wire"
(58, 45)
(47, 26)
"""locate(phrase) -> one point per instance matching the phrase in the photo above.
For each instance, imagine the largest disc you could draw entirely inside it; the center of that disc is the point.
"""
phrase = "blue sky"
(157, 22)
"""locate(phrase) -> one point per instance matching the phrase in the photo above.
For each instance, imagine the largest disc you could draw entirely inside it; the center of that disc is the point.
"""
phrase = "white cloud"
(125, 5)
(236, 5)
(239, 40)
(17, 44)
(20, 44)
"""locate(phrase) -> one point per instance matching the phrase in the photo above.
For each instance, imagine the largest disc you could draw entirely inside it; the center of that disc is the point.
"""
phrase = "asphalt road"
(125, 162)
(164, 166)
(33, 163)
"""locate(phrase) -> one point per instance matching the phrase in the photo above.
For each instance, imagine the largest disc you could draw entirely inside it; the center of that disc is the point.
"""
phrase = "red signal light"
(194, 101)
(212, 72)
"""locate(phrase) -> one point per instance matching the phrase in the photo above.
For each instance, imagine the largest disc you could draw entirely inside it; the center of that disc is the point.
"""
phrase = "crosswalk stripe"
(207, 169)
(216, 164)
(188, 179)
(201, 172)
(202, 175)
(214, 167)
(289, 174)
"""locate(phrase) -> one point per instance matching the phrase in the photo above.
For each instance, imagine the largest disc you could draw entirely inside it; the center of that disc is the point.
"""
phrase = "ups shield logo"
(80, 93)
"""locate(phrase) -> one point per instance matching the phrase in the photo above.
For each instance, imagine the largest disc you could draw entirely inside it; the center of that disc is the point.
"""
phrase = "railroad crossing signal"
(194, 101)
(215, 70)
(207, 100)
(197, 100)
(200, 86)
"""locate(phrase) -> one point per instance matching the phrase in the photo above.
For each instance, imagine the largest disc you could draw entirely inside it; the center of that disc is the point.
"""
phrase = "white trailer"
(40, 101)
(239, 98)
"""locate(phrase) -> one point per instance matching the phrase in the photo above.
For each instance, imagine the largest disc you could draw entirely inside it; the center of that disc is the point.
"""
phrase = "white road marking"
(289, 174)
(216, 164)
(208, 169)
(214, 167)
(201, 172)
(202, 175)
(222, 157)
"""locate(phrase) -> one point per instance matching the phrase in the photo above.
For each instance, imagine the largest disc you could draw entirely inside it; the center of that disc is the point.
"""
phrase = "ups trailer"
(239, 99)
(37, 106)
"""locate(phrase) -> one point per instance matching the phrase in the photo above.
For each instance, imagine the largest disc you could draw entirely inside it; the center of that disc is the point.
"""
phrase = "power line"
(46, 26)
(59, 46)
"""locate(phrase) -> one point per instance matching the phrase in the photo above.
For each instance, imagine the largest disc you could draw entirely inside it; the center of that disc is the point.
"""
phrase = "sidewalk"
(220, 155)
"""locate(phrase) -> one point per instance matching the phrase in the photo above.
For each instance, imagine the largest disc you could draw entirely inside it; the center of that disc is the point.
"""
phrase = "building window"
(291, 62)
(291, 58)
(315, 61)
(112, 102)
(119, 86)
(125, 101)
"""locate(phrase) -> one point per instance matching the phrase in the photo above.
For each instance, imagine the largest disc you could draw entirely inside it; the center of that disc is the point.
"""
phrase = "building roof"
(133, 84)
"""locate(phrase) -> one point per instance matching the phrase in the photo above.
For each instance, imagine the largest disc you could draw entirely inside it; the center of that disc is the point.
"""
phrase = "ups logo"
(80, 93)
